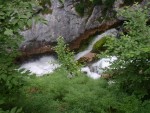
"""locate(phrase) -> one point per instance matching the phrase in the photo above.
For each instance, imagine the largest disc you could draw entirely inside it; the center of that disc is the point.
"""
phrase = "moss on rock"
(98, 46)
(46, 4)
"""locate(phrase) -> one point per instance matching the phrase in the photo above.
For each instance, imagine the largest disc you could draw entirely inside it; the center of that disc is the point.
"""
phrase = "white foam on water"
(102, 64)
(98, 68)
(89, 73)
(111, 32)
(47, 64)
(44, 65)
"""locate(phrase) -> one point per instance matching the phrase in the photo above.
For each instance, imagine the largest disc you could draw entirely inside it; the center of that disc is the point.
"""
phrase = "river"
(48, 64)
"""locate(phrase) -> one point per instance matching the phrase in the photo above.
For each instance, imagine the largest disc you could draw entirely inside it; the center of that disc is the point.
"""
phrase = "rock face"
(37, 47)
(75, 44)
(64, 21)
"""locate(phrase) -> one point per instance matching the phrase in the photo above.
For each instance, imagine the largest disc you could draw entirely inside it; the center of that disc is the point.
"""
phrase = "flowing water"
(41, 66)
(47, 64)
(111, 32)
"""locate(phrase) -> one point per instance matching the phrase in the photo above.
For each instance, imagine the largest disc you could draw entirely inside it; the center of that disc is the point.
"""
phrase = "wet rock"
(106, 76)
(37, 47)
(88, 57)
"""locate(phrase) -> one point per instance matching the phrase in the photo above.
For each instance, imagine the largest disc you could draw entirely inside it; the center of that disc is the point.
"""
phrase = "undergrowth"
(56, 93)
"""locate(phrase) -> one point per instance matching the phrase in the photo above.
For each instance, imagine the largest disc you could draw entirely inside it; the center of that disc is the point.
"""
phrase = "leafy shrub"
(56, 94)
(66, 58)
(14, 16)
(132, 69)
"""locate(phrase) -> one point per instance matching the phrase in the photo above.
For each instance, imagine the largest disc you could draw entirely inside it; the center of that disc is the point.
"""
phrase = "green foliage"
(96, 2)
(132, 69)
(130, 2)
(14, 16)
(80, 8)
(66, 58)
(58, 94)
(109, 3)
(13, 110)
(45, 4)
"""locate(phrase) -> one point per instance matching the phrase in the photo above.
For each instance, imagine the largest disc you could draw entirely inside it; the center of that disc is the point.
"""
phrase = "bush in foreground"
(56, 94)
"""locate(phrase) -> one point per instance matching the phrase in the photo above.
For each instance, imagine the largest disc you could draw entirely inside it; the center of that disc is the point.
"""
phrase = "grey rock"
(64, 21)
(144, 3)
(93, 20)
(118, 4)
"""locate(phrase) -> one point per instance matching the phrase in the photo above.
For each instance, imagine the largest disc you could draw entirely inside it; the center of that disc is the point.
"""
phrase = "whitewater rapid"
(111, 32)
(41, 66)
(48, 64)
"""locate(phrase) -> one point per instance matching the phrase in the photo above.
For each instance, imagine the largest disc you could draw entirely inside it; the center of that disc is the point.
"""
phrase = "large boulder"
(89, 57)
(63, 21)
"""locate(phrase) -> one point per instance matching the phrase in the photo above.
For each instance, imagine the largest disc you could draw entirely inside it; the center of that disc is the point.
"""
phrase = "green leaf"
(23, 16)
(8, 32)
(13, 110)
(29, 22)
(1, 102)
(19, 110)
